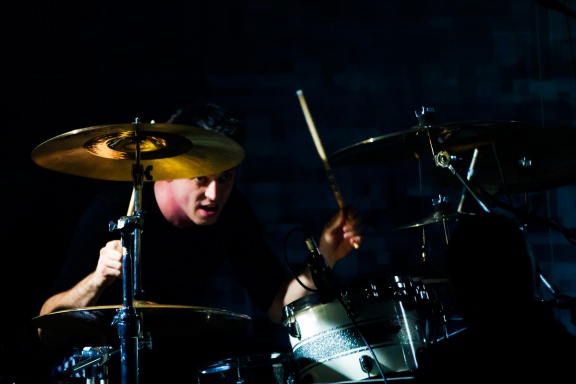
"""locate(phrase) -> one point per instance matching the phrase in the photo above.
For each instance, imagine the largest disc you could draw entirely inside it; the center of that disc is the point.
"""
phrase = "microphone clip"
(320, 270)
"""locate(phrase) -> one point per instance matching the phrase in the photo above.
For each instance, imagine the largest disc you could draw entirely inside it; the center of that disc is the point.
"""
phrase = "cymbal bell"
(166, 151)
(158, 319)
(514, 157)
(437, 217)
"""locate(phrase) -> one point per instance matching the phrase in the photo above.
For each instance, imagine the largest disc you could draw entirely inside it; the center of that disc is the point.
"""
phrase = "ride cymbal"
(514, 157)
(166, 151)
(158, 319)
(426, 141)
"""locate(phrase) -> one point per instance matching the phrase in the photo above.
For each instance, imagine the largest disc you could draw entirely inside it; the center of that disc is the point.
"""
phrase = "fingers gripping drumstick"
(320, 149)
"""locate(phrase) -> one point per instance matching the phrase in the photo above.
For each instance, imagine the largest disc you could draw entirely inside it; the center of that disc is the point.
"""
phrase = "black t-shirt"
(176, 266)
(175, 263)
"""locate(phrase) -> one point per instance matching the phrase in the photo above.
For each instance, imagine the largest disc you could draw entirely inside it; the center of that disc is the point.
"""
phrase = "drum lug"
(290, 323)
(351, 310)
(366, 363)
(293, 329)
(348, 304)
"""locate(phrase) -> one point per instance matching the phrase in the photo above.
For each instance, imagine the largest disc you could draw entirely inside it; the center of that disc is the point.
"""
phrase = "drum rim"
(330, 294)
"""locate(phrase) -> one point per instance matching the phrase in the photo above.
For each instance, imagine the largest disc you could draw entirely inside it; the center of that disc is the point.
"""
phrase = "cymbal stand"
(127, 319)
(96, 358)
(443, 159)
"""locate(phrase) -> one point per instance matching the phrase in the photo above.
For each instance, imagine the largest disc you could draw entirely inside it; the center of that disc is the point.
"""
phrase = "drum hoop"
(389, 285)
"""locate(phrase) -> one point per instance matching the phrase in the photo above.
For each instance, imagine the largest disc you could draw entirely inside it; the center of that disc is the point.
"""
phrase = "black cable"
(284, 247)
(357, 327)
(346, 308)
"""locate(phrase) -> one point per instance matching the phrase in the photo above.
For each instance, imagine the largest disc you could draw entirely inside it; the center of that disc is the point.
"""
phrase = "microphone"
(321, 272)
(468, 177)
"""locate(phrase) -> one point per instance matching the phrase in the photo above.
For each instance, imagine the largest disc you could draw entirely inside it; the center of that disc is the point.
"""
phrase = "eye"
(226, 177)
(202, 180)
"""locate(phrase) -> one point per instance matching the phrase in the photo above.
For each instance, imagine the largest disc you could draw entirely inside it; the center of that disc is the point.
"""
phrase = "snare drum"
(358, 330)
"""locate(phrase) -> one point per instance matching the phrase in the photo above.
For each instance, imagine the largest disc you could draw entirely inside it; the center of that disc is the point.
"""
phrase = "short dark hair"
(211, 117)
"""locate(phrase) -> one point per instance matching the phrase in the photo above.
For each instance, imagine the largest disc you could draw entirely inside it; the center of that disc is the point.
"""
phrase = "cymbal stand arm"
(95, 357)
(468, 177)
(443, 160)
(554, 291)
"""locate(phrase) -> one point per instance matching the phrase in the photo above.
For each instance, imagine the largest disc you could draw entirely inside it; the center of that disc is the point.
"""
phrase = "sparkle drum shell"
(358, 330)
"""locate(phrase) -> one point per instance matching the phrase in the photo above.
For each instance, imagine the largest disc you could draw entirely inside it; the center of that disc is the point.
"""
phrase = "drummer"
(192, 228)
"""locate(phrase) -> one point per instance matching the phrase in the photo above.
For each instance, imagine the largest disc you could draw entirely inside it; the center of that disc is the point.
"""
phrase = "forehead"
(217, 175)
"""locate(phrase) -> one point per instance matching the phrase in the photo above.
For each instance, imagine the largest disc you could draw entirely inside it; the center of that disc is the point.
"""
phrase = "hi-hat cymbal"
(437, 217)
(514, 157)
(158, 319)
(167, 151)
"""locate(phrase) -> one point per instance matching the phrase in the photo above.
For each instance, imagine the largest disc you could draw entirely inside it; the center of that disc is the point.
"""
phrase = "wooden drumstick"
(131, 205)
(320, 149)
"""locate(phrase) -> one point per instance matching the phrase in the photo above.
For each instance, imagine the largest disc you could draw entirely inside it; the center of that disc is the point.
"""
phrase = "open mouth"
(209, 208)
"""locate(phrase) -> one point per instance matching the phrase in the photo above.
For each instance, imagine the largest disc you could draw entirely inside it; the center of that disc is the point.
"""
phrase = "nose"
(212, 190)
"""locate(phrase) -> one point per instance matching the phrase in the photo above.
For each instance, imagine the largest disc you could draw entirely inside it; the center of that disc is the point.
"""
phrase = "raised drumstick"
(320, 148)
(321, 152)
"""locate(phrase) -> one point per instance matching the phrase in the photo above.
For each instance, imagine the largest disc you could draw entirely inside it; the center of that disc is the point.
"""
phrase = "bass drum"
(272, 368)
(359, 331)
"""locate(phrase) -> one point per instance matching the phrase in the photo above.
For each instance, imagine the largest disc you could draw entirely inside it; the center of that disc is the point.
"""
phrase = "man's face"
(203, 198)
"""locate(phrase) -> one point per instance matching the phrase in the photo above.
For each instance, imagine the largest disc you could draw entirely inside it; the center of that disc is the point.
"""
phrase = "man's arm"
(86, 292)
(340, 235)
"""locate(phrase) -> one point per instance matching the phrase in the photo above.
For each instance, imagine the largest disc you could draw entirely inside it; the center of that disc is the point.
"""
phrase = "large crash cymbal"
(167, 151)
(158, 319)
(514, 157)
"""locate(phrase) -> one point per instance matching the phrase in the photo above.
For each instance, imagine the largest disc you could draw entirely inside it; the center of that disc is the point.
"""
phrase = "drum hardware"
(480, 194)
(522, 216)
(530, 157)
(445, 160)
(433, 310)
(468, 177)
(358, 331)
(366, 362)
(94, 358)
(319, 268)
(425, 117)
(115, 152)
(272, 368)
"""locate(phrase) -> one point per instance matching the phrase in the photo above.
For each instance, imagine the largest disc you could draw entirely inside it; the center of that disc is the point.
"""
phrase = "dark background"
(365, 67)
